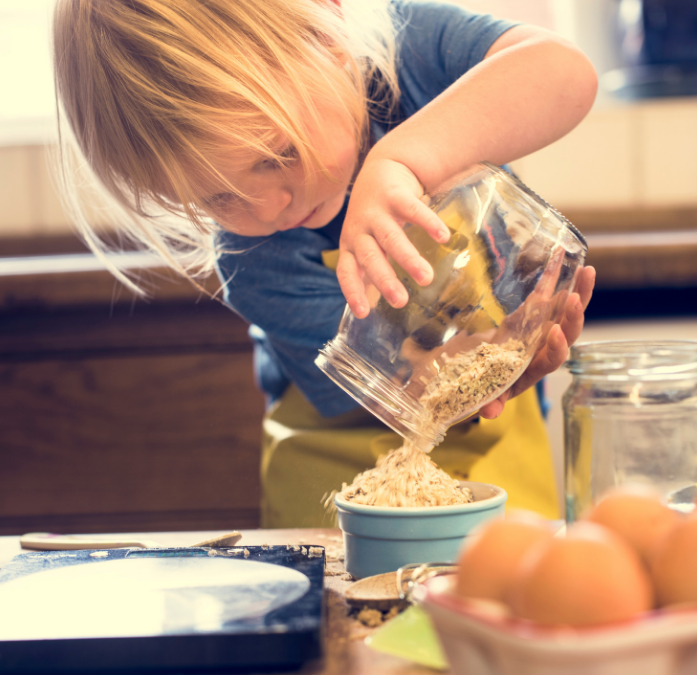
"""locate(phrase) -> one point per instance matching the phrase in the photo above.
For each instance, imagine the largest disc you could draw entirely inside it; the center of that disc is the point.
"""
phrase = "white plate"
(141, 597)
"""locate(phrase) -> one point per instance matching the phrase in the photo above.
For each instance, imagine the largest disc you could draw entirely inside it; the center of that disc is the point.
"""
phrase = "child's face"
(283, 200)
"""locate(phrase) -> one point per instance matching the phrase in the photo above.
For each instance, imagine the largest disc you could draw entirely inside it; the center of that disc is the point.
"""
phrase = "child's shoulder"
(432, 10)
(437, 43)
(426, 19)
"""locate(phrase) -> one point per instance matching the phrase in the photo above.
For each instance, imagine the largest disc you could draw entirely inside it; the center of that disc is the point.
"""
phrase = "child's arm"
(532, 88)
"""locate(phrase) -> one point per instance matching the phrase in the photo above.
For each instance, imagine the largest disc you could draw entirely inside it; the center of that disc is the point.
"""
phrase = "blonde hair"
(146, 87)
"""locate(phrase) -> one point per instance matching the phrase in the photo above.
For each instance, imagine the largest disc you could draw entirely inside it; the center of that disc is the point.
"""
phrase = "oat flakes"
(408, 476)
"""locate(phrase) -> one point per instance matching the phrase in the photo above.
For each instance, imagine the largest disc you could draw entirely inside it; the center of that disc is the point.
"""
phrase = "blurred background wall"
(634, 157)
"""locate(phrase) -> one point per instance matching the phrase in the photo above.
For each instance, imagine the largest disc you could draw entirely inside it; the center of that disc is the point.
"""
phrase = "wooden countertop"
(80, 279)
(345, 648)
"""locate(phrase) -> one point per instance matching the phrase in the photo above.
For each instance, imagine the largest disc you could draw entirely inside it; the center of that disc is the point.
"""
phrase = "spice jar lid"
(635, 359)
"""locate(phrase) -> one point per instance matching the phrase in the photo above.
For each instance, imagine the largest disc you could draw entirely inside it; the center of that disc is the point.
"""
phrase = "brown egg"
(637, 514)
(489, 556)
(590, 577)
(674, 568)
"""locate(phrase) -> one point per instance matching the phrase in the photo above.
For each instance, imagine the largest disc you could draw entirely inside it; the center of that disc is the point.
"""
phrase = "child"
(279, 141)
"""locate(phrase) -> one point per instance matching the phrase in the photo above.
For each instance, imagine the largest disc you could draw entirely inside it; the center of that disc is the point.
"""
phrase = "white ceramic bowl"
(478, 641)
(380, 539)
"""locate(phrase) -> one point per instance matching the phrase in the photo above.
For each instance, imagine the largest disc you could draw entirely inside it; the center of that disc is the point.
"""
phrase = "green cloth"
(410, 635)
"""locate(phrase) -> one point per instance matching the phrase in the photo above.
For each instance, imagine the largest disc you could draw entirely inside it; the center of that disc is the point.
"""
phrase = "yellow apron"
(306, 456)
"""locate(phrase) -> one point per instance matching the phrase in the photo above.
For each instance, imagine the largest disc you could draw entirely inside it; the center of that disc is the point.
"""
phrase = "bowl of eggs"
(615, 594)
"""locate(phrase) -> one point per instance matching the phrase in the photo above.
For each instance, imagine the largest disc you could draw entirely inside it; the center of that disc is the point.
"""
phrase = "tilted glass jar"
(501, 281)
(630, 416)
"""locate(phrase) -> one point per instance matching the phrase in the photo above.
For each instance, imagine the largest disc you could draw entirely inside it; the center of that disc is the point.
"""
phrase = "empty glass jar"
(630, 416)
(500, 283)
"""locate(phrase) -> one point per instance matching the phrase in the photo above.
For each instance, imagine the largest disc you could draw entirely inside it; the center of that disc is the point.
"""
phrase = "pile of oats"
(375, 617)
(406, 476)
(467, 379)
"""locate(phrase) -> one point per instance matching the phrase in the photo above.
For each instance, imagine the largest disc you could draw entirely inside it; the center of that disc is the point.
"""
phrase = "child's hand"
(556, 350)
(385, 196)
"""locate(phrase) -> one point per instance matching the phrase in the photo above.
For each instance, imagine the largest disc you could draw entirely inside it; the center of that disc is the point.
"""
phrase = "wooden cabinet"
(124, 415)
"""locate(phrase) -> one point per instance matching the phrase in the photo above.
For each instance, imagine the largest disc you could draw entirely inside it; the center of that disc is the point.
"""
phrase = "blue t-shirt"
(279, 283)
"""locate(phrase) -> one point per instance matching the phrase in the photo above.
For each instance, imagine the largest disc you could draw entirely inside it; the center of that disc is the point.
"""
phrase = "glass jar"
(630, 416)
(500, 283)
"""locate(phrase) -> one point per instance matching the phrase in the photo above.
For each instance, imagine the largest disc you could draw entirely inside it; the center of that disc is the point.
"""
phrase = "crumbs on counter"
(224, 552)
(374, 617)
(246, 553)
(99, 554)
(328, 572)
(370, 617)
(334, 553)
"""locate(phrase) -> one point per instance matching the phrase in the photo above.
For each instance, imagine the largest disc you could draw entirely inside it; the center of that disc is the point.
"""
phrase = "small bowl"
(479, 638)
(379, 539)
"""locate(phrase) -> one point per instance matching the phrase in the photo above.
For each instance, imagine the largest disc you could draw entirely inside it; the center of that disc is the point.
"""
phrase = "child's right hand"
(385, 196)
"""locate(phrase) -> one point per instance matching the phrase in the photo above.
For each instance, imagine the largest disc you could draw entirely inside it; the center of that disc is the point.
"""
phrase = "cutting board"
(169, 608)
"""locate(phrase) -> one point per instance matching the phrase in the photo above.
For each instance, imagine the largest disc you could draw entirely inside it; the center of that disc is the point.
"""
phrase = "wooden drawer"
(126, 416)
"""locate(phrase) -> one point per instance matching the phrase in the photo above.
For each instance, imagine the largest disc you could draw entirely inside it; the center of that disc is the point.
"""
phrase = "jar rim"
(635, 359)
(530, 192)
(506, 175)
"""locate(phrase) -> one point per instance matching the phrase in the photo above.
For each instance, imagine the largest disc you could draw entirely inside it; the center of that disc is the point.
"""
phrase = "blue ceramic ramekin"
(380, 539)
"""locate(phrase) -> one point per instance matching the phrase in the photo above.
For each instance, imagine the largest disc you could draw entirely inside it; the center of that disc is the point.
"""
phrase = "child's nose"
(272, 203)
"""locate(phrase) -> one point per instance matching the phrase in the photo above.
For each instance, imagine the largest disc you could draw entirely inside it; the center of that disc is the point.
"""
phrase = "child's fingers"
(586, 283)
(391, 238)
(492, 410)
(555, 353)
(352, 285)
(546, 361)
(420, 214)
(572, 321)
(576, 304)
(372, 260)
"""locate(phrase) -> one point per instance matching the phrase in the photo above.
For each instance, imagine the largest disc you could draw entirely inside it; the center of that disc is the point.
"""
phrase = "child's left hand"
(385, 196)
(553, 354)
